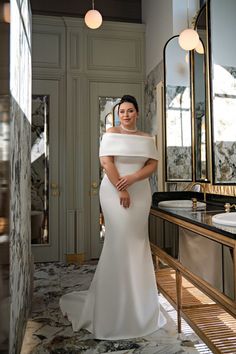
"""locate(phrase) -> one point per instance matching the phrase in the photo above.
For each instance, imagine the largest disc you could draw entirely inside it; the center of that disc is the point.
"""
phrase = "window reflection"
(178, 135)
(178, 139)
(224, 124)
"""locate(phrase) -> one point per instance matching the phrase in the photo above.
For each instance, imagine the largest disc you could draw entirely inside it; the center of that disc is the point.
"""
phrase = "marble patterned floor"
(49, 332)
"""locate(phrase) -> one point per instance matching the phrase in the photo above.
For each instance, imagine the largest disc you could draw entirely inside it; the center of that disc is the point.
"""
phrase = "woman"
(122, 301)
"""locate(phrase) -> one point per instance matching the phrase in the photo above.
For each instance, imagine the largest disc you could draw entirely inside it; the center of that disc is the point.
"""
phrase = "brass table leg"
(179, 297)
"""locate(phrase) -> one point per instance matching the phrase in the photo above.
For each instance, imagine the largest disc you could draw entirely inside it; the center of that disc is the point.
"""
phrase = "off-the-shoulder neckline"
(131, 135)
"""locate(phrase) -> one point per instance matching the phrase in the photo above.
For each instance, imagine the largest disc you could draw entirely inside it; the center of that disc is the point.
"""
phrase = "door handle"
(94, 188)
(55, 189)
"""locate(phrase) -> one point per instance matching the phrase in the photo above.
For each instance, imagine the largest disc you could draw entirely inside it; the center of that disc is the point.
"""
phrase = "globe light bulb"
(188, 39)
(199, 48)
(93, 19)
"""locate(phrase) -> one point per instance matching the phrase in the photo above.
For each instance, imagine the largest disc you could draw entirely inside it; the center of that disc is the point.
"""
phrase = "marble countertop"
(199, 217)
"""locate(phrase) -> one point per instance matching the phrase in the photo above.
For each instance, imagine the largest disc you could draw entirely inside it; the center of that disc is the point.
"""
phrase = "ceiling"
(111, 10)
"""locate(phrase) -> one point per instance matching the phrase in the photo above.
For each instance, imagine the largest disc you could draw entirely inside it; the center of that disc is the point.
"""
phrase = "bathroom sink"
(225, 219)
(183, 204)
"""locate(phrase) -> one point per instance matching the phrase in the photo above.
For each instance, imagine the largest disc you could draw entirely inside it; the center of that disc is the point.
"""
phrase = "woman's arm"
(107, 162)
(145, 172)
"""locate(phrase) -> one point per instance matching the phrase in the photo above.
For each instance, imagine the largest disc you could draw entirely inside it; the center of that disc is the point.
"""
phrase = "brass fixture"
(228, 206)
(55, 189)
(94, 186)
(194, 205)
(202, 187)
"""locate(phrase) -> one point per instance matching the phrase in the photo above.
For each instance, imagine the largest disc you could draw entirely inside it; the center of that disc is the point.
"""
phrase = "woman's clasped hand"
(122, 185)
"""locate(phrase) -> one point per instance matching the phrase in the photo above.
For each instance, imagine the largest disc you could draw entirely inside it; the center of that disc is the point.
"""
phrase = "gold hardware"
(228, 206)
(94, 192)
(202, 186)
(75, 258)
(55, 190)
(94, 185)
(194, 205)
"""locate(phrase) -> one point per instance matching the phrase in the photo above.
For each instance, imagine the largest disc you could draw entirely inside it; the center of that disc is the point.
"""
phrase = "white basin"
(183, 204)
(225, 219)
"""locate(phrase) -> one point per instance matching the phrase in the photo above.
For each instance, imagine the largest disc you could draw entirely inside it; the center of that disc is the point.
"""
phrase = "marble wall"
(20, 148)
(150, 99)
(150, 110)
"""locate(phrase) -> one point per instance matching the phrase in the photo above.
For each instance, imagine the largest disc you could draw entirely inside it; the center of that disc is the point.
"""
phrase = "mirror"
(177, 103)
(200, 111)
(223, 90)
(108, 118)
(40, 170)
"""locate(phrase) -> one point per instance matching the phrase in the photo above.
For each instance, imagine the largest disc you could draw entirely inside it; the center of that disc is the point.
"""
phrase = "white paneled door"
(102, 95)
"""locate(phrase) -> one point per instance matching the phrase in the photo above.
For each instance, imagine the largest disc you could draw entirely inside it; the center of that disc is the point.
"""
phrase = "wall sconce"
(6, 12)
(188, 38)
(93, 18)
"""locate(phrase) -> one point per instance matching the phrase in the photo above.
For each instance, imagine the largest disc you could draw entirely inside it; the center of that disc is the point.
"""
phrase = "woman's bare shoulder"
(113, 130)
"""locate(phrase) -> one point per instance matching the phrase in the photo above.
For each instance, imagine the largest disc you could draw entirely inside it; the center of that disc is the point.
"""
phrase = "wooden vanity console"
(204, 298)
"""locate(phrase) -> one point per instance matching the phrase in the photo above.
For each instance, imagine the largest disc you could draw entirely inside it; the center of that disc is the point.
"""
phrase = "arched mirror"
(177, 103)
(223, 90)
(200, 106)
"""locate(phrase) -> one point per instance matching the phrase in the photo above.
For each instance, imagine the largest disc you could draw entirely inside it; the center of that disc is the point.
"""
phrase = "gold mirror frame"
(177, 114)
(222, 91)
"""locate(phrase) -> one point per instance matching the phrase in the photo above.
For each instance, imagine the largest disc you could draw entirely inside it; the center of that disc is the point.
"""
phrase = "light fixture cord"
(188, 13)
(93, 4)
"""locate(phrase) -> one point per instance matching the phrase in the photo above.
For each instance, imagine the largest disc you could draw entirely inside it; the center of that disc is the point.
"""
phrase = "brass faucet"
(228, 206)
(202, 187)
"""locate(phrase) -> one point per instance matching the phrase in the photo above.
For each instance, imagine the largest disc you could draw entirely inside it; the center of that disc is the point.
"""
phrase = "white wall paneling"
(113, 54)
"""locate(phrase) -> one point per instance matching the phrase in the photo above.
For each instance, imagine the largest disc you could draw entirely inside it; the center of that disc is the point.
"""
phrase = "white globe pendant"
(93, 19)
(188, 39)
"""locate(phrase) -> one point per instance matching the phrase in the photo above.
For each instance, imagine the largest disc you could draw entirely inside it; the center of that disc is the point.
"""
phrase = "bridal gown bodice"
(122, 301)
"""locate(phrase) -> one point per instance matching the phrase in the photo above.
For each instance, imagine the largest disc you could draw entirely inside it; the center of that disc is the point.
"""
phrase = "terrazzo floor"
(49, 332)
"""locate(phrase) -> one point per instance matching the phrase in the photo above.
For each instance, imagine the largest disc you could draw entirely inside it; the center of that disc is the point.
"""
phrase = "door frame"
(104, 89)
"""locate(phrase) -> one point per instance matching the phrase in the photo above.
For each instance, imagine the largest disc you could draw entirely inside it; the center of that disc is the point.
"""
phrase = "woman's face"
(128, 115)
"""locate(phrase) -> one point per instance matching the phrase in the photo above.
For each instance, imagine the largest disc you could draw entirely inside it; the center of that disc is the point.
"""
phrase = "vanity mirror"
(177, 113)
(200, 107)
(223, 90)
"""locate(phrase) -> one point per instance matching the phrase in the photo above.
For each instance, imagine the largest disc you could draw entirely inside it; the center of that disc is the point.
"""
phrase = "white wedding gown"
(122, 301)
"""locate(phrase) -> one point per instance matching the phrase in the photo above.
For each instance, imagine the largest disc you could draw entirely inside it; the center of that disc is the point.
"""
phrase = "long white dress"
(122, 301)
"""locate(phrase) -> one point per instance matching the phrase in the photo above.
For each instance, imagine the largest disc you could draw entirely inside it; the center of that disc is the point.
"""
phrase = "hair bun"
(130, 99)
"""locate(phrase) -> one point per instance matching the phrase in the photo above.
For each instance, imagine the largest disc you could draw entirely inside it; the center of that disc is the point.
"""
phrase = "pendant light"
(188, 38)
(93, 18)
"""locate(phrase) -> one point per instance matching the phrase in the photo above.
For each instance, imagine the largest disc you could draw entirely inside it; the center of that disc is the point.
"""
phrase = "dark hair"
(130, 99)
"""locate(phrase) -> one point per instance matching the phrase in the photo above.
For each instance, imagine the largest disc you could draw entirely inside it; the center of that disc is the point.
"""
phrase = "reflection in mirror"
(106, 109)
(199, 99)
(4, 222)
(40, 170)
(223, 61)
(108, 118)
(178, 136)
